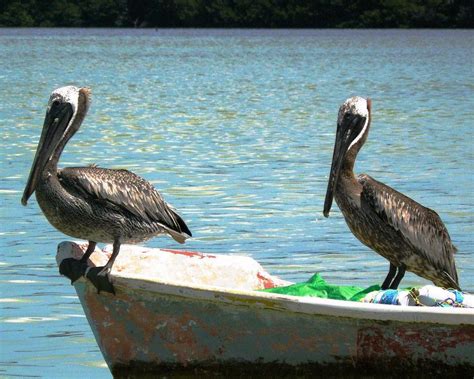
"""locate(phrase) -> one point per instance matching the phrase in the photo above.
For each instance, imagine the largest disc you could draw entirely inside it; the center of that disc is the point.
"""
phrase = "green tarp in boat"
(316, 286)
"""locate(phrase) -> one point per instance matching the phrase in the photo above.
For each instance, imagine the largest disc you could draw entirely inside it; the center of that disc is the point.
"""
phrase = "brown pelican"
(410, 236)
(92, 203)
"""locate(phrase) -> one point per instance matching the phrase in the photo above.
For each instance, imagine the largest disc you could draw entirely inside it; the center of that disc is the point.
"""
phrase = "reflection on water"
(236, 129)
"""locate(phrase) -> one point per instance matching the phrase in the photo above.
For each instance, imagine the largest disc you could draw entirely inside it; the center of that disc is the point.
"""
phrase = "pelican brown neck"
(77, 118)
(63, 118)
(352, 128)
(360, 134)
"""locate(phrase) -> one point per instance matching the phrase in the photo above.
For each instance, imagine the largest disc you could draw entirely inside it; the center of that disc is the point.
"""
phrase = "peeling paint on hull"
(155, 327)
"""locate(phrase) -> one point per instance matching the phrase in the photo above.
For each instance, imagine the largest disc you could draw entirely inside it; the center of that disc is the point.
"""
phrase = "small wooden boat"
(186, 312)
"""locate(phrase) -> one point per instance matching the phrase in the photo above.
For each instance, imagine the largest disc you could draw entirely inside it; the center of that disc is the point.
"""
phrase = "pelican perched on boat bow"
(410, 236)
(92, 203)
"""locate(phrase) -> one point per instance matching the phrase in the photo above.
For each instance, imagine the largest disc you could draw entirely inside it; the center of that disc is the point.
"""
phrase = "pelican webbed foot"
(105, 271)
(100, 279)
(72, 268)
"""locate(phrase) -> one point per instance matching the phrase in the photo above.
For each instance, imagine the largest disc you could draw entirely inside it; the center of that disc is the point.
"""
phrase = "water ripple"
(236, 129)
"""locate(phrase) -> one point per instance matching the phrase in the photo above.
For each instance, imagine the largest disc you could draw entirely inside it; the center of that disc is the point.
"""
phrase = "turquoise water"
(236, 129)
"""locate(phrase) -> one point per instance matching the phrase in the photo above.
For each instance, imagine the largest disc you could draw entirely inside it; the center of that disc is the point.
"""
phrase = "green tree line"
(239, 13)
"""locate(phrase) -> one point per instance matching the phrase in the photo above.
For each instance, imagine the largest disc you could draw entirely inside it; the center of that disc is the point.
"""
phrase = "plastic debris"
(429, 295)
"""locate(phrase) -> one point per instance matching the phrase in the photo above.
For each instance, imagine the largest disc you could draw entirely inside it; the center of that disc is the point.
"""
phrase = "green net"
(316, 286)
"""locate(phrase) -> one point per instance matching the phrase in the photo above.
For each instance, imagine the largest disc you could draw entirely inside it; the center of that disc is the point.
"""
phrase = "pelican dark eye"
(56, 103)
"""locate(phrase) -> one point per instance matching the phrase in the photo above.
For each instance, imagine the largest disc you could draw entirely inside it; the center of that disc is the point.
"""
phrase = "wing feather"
(418, 225)
(125, 190)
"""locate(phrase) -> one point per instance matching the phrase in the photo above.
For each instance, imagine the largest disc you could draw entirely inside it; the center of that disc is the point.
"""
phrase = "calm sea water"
(236, 129)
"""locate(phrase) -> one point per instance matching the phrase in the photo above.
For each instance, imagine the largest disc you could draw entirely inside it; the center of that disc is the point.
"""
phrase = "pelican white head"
(67, 94)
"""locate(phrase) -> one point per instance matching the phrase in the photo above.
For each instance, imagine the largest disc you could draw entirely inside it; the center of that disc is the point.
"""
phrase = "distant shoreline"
(238, 28)
(239, 14)
(228, 28)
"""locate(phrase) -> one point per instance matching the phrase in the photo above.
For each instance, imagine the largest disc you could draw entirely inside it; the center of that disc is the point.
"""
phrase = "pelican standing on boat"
(92, 203)
(410, 236)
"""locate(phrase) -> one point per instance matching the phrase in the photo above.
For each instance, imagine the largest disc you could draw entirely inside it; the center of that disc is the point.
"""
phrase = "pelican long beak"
(347, 131)
(56, 121)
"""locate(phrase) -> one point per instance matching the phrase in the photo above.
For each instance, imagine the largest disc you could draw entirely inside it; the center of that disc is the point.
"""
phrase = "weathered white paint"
(234, 279)
(156, 324)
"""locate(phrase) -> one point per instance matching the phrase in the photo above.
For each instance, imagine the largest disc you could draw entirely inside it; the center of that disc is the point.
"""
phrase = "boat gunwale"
(299, 304)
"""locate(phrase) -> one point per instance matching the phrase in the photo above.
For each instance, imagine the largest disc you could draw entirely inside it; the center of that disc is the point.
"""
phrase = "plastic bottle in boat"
(393, 297)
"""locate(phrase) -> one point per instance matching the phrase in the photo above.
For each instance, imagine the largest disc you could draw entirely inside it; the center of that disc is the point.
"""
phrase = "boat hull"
(156, 327)
(139, 331)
